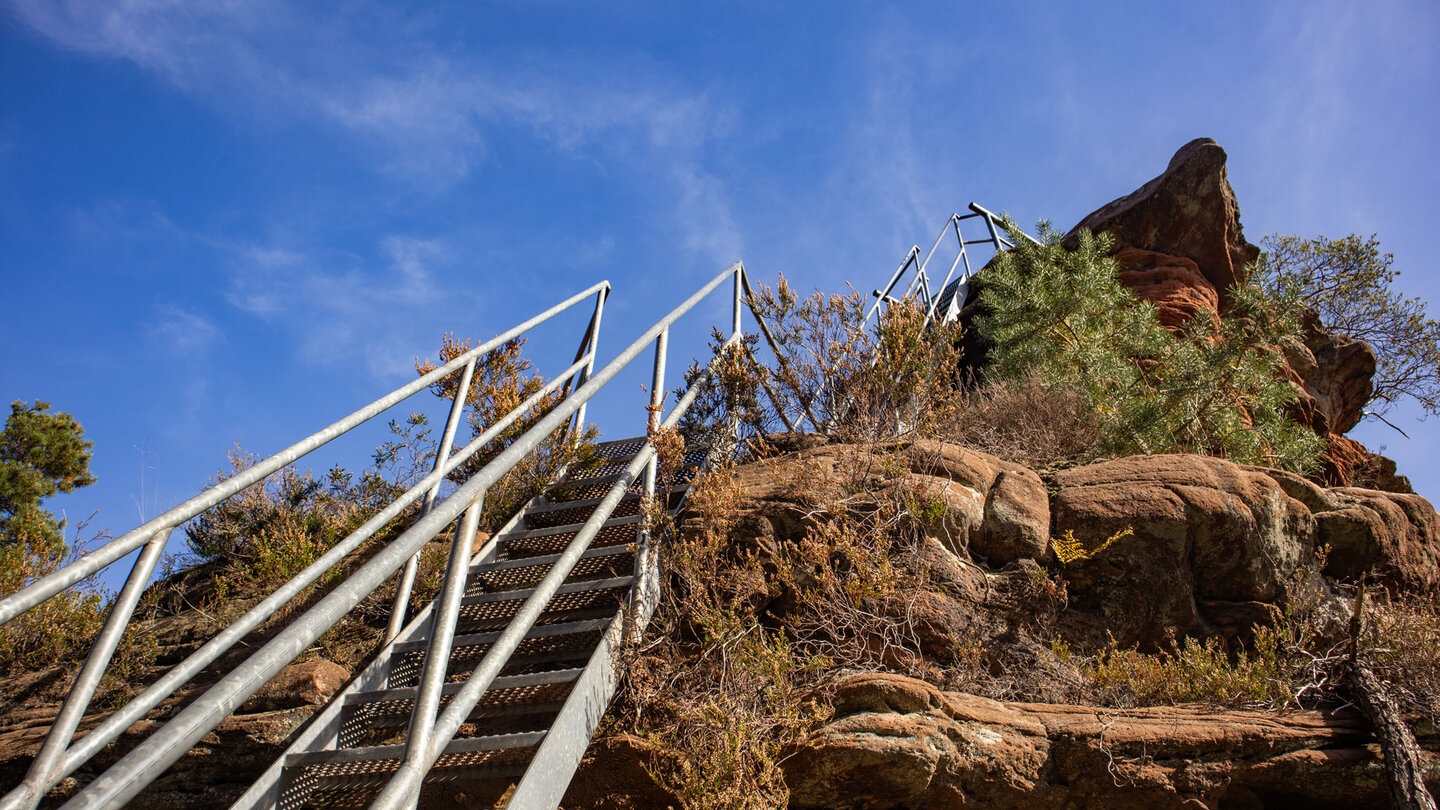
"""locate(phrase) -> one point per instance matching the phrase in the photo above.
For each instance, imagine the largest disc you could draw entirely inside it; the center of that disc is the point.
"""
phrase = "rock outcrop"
(1189, 211)
(975, 504)
(1179, 245)
(1215, 544)
(896, 742)
(1213, 548)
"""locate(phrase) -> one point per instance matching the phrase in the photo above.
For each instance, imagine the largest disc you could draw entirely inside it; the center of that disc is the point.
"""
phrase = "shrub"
(1026, 420)
(504, 379)
(895, 377)
(1210, 388)
(1196, 671)
(1348, 283)
(747, 631)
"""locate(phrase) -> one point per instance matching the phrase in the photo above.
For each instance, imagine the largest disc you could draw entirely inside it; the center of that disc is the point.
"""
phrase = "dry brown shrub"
(1402, 638)
(1027, 421)
(749, 629)
(852, 381)
(503, 379)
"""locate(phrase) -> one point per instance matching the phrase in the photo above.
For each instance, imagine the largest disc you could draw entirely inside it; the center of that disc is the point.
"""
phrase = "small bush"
(748, 630)
(1401, 638)
(504, 379)
(1025, 420)
(1197, 671)
(895, 377)
(274, 529)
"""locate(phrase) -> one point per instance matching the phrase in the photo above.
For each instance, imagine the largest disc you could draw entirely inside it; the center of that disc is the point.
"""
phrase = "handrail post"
(401, 605)
(739, 280)
(643, 601)
(592, 337)
(442, 636)
(40, 777)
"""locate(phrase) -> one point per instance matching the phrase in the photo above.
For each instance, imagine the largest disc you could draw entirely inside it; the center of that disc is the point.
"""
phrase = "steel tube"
(442, 634)
(990, 220)
(126, 778)
(592, 340)
(113, 726)
(657, 400)
(46, 587)
(400, 606)
(735, 324)
(38, 778)
(894, 278)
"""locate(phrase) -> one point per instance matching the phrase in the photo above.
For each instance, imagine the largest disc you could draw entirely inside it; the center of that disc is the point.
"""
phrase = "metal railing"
(919, 287)
(60, 755)
(431, 727)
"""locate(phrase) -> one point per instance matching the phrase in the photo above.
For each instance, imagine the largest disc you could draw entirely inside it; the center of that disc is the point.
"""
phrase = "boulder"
(1395, 537)
(307, 683)
(1189, 211)
(896, 742)
(974, 503)
(1336, 377)
(1213, 546)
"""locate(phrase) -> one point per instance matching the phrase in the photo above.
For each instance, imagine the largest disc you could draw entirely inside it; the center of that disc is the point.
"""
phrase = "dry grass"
(1027, 421)
(748, 630)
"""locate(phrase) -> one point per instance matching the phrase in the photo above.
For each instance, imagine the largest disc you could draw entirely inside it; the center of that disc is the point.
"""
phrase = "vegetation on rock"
(1214, 386)
(1348, 282)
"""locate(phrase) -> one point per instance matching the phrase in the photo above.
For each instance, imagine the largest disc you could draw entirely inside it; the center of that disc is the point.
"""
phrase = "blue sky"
(228, 222)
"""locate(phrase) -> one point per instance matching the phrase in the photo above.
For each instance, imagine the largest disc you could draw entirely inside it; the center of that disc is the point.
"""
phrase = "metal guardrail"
(932, 297)
(431, 728)
(60, 755)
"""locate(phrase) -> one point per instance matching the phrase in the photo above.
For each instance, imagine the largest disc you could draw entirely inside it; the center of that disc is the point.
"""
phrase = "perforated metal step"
(352, 777)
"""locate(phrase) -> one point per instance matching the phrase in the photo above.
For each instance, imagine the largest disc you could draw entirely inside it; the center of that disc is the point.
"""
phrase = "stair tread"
(477, 639)
(407, 693)
(570, 587)
(629, 496)
(526, 534)
(545, 559)
(464, 745)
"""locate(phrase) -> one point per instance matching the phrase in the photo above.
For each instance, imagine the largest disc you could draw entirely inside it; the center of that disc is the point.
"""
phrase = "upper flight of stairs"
(545, 687)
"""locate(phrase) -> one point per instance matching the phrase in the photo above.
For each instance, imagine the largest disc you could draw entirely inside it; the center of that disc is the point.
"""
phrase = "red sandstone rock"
(1173, 284)
(1214, 544)
(1189, 211)
(896, 742)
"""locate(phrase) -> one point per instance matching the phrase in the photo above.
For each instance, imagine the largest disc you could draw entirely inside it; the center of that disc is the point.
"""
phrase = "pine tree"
(41, 453)
(1064, 314)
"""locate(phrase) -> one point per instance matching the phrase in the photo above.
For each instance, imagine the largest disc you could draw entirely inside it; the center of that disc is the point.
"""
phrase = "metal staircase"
(551, 690)
(503, 677)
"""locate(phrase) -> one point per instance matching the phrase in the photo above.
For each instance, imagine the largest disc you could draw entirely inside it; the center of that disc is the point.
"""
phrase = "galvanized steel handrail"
(46, 587)
(920, 283)
(430, 734)
(59, 755)
(128, 777)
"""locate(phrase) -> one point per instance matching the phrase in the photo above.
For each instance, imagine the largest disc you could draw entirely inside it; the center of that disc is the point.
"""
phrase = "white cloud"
(379, 78)
(183, 333)
(341, 308)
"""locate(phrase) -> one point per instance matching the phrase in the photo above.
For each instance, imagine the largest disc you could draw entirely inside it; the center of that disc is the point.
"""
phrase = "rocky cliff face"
(1215, 550)
(899, 743)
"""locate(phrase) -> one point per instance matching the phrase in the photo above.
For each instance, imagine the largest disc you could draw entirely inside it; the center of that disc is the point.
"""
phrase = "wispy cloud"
(183, 333)
(380, 78)
(345, 308)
